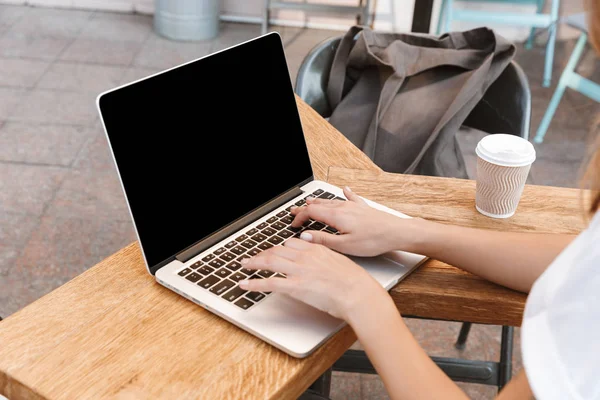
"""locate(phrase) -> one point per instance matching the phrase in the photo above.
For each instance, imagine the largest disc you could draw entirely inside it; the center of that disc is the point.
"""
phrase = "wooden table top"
(113, 332)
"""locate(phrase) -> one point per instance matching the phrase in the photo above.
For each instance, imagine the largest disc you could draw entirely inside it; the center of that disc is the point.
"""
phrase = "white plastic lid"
(506, 150)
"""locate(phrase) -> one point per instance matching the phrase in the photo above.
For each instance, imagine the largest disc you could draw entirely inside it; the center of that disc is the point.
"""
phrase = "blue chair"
(449, 13)
(570, 78)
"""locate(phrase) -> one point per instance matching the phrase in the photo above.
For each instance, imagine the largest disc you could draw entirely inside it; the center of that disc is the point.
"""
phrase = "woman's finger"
(270, 261)
(350, 195)
(272, 284)
(297, 244)
(327, 202)
(318, 212)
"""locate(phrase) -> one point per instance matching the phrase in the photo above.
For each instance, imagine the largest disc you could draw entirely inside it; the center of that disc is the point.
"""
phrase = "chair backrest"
(504, 108)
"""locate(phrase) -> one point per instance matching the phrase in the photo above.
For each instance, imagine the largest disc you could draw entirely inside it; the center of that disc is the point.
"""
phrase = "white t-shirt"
(560, 333)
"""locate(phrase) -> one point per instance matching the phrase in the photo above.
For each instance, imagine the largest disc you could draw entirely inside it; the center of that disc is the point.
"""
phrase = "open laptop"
(211, 155)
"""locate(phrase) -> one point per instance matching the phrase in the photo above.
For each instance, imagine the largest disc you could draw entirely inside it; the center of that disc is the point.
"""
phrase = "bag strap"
(337, 73)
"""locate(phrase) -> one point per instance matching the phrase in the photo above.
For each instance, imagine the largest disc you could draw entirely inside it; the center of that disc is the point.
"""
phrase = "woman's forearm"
(511, 259)
(405, 368)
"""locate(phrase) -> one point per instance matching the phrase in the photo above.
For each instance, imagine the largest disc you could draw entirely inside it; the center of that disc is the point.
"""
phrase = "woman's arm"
(514, 260)
(405, 368)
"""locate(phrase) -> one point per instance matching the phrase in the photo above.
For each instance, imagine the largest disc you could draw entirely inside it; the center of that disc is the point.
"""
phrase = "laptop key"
(216, 263)
(234, 265)
(262, 225)
(222, 287)
(287, 219)
(265, 246)
(194, 277)
(220, 251)
(278, 225)
(240, 258)
(248, 271)
(330, 229)
(259, 237)
(317, 192)
(300, 202)
(227, 256)
(251, 231)
(278, 275)
(244, 303)
(275, 239)
(285, 234)
(238, 250)
(209, 281)
(223, 273)
(249, 243)
(205, 270)
(238, 276)
(281, 214)
(265, 273)
(272, 219)
(234, 293)
(196, 265)
(340, 198)
(316, 226)
(269, 231)
(241, 238)
(253, 252)
(184, 272)
(208, 258)
(231, 244)
(255, 296)
(326, 195)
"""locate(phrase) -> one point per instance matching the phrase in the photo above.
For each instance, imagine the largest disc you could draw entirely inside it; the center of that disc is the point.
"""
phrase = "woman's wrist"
(372, 306)
(418, 235)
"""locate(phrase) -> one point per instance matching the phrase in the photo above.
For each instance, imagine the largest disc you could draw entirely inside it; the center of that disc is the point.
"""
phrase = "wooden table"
(113, 332)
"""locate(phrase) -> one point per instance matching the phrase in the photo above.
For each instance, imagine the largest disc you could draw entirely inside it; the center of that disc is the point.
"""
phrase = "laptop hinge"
(204, 244)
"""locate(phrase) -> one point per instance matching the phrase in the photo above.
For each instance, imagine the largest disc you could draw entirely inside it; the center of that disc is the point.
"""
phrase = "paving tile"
(81, 77)
(28, 188)
(95, 154)
(101, 51)
(31, 46)
(9, 15)
(21, 73)
(118, 26)
(9, 100)
(372, 388)
(57, 107)
(163, 53)
(51, 22)
(231, 34)
(90, 194)
(345, 386)
(41, 144)
(59, 250)
(135, 73)
(15, 230)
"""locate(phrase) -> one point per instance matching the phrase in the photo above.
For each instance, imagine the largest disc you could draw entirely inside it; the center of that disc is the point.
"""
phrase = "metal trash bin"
(187, 20)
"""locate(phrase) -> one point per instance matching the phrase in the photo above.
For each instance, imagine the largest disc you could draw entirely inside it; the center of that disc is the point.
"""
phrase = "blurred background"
(61, 205)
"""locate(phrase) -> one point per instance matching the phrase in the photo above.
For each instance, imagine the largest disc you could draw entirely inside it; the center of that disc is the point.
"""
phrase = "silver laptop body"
(179, 175)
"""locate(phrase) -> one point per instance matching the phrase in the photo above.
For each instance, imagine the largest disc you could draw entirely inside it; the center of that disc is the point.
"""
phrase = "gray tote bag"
(401, 98)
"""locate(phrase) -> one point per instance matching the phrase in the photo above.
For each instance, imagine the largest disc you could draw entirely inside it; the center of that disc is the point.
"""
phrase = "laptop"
(211, 156)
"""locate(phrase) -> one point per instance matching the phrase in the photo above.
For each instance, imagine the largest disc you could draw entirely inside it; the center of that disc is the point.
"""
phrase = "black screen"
(203, 144)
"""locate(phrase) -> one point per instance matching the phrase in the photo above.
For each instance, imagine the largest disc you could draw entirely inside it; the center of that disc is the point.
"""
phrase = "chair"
(504, 108)
(449, 13)
(570, 78)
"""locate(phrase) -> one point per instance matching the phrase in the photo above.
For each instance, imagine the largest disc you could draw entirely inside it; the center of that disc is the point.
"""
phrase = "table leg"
(323, 384)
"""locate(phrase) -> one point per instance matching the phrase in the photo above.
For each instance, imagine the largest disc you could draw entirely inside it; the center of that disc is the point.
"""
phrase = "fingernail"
(310, 198)
(244, 283)
(306, 236)
(245, 260)
(348, 188)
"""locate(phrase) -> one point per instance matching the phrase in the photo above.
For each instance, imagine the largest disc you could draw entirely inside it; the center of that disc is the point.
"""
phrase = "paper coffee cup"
(503, 163)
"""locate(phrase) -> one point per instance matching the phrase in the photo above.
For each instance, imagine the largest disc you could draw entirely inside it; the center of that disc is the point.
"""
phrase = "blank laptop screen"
(203, 144)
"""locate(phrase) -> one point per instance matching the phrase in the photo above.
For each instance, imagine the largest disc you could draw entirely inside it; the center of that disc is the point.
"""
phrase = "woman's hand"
(317, 276)
(365, 231)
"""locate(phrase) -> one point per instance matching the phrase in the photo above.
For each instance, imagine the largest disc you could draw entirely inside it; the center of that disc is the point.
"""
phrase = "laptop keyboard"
(220, 271)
